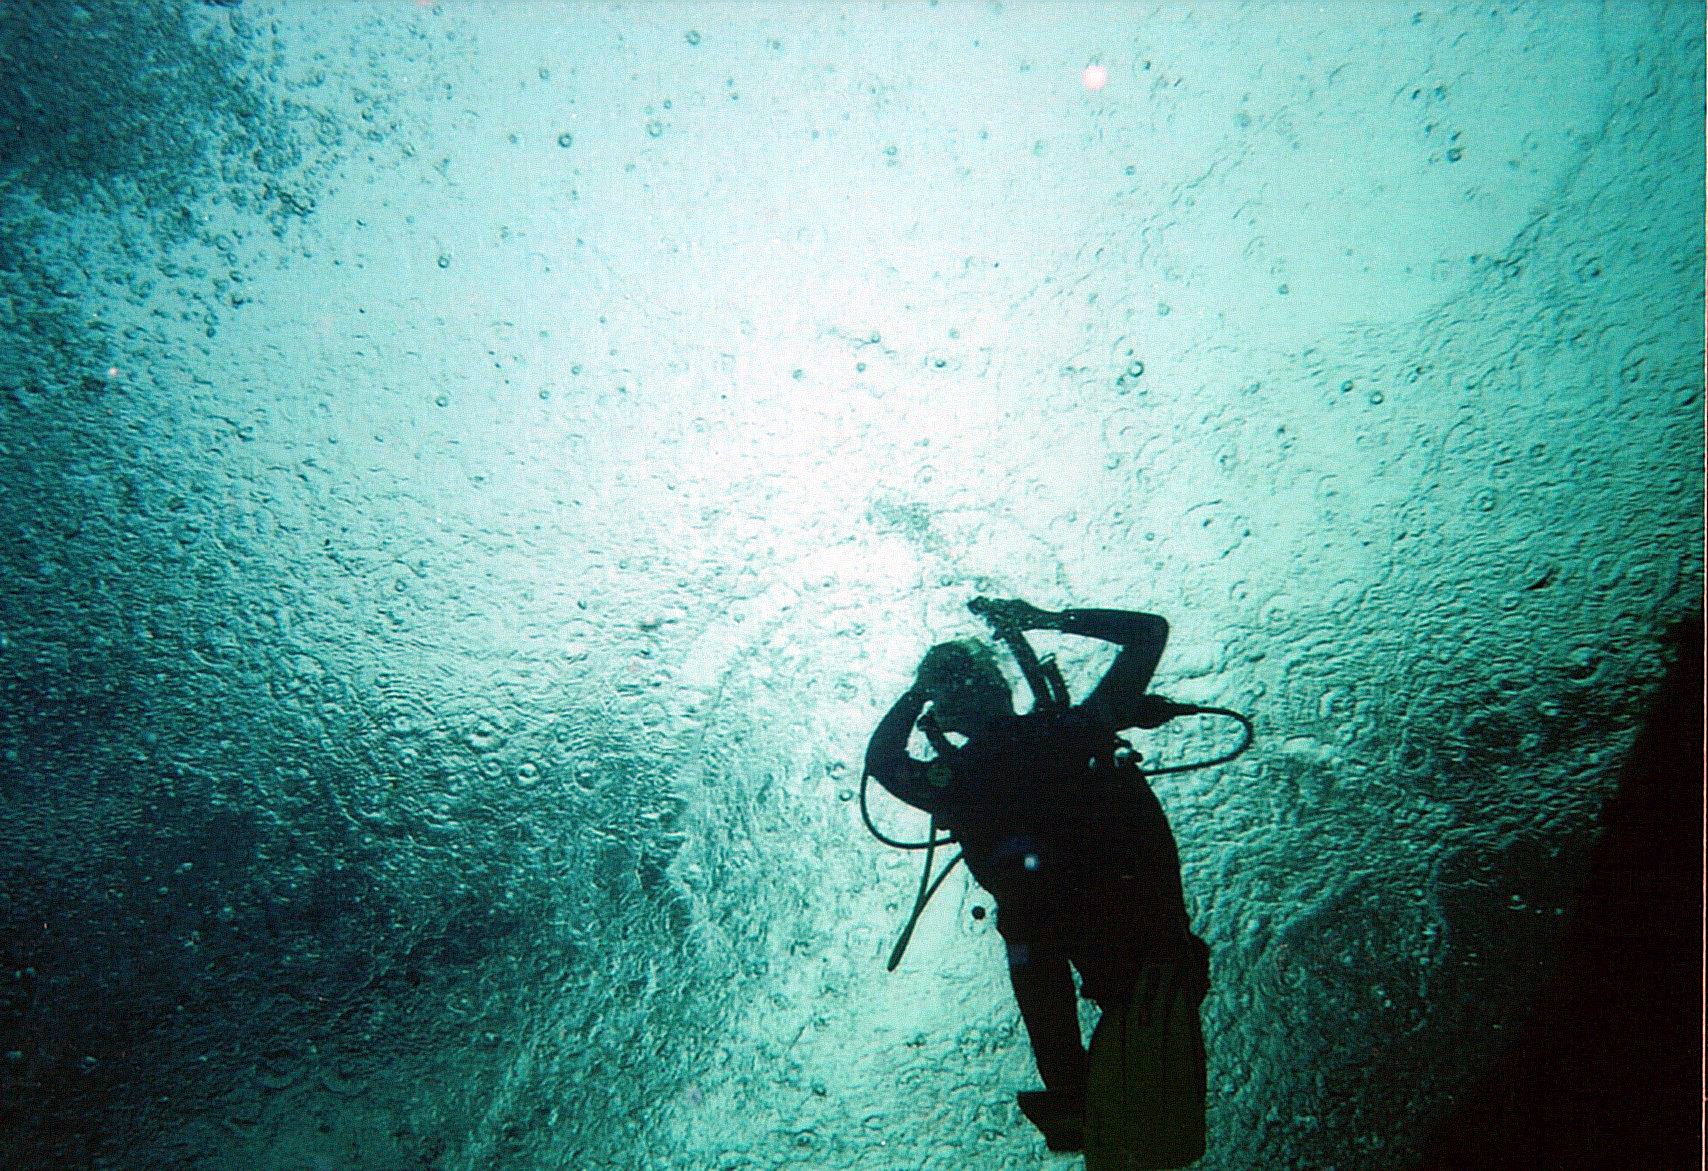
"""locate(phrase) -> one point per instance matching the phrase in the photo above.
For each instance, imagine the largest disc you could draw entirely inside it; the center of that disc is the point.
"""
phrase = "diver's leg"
(1043, 988)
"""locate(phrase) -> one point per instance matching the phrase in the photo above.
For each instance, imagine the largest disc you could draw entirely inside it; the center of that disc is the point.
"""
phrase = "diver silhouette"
(1056, 822)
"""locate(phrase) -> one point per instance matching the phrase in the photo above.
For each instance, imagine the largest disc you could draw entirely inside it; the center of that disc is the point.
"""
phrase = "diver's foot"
(1059, 1117)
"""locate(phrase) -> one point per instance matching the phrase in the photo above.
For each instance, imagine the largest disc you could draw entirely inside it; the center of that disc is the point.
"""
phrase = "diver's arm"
(1128, 628)
(887, 759)
(1119, 700)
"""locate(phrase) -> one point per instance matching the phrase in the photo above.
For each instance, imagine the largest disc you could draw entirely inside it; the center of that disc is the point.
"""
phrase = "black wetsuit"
(1074, 848)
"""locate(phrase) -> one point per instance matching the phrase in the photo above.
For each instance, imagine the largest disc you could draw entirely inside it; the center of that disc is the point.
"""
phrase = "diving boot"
(1060, 1117)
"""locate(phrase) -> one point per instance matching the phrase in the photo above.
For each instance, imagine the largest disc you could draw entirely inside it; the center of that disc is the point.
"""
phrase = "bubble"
(566, 140)
(1377, 398)
(692, 36)
(654, 129)
(1336, 705)
(482, 736)
(1583, 665)
(443, 400)
(1607, 570)
(1094, 78)
(278, 1068)
(343, 1083)
(444, 260)
(1633, 367)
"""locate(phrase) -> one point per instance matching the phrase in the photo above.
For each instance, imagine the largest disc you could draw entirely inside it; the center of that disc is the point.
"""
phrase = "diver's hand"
(940, 743)
(1009, 614)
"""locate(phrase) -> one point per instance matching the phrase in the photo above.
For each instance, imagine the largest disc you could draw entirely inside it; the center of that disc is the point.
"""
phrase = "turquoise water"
(475, 474)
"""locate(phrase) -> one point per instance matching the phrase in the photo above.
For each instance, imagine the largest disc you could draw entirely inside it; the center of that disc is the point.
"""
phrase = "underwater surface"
(473, 475)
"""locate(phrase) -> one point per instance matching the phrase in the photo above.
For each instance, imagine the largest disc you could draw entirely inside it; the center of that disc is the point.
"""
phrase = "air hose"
(920, 900)
(1174, 710)
(871, 827)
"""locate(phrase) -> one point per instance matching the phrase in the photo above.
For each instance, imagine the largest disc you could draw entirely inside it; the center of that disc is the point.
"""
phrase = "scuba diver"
(1056, 822)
